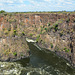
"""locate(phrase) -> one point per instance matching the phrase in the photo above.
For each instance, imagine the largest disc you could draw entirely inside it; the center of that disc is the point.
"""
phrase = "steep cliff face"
(13, 48)
(53, 31)
(73, 59)
(73, 46)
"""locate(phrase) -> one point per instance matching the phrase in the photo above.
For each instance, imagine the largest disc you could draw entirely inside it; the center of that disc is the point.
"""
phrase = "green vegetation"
(38, 38)
(56, 48)
(73, 20)
(66, 50)
(40, 32)
(58, 12)
(6, 32)
(10, 14)
(9, 29)
(46, 29)
(12, 20)
(61, 33)
(51, 45)
(5, 14)
(14, 32)
(48, 24)
(56, 27)
(50, 28)
(41, 29)
(36, 29)
(15, 53)
(31, 35)
(2, 11)
(67, 20)
(21, 54)
(21, 23)
(23, 33)
(6, 52)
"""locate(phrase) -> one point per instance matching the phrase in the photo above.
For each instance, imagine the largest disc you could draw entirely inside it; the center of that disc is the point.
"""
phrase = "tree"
(2, 11)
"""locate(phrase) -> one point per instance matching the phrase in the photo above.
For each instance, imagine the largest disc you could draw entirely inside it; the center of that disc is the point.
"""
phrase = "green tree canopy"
(2, 11)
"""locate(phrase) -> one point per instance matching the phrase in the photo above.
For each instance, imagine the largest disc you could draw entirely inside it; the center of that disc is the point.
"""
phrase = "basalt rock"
(53, 31)
(13, 48)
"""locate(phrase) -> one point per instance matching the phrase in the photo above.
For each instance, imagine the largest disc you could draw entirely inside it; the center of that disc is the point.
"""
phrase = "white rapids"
(30, 40)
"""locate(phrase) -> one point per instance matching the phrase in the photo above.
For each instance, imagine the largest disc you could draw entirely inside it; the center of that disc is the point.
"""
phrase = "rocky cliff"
(53, 31)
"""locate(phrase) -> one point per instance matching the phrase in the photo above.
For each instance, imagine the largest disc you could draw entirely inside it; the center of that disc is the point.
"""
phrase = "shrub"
(21, 23)
(31, 35)
(23, 33)
(5, 14)
(3, 29)
(10, 21)
(15, 53)
(51, 45)
(41, 30)
(14, 33)
(36, 29)
(50, 28)
(56, 48)
(2, 11)
(46, 29)
(66, 50)
(6, 32)
(10, 14)
(61, 33)
(38, 37)
(48, 24)
(67, 20)
(9, 29)
(74, 20)
(56, 27)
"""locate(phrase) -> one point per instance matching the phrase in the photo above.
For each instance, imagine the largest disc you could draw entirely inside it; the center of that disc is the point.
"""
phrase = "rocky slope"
(53, 31)
(13, 48)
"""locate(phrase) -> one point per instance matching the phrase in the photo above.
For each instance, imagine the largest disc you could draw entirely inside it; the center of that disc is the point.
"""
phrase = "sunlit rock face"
(13, 48)
(54, 31)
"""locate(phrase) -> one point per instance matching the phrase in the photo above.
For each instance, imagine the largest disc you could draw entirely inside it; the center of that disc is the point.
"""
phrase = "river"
(40, 62)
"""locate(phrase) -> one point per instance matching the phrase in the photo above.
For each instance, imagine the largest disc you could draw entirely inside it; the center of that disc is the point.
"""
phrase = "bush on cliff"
(23, 33)
(61, 33)
(66, 50)
(38, 38)
(14, 32)
(68, 20)
(56, 27)
(31, 35)
(46, 29)
(2, 11)
(51, 45)
(15, 54)
(48, 24)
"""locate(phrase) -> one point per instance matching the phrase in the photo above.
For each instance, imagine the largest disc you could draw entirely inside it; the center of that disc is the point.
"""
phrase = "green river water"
(40, 62)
